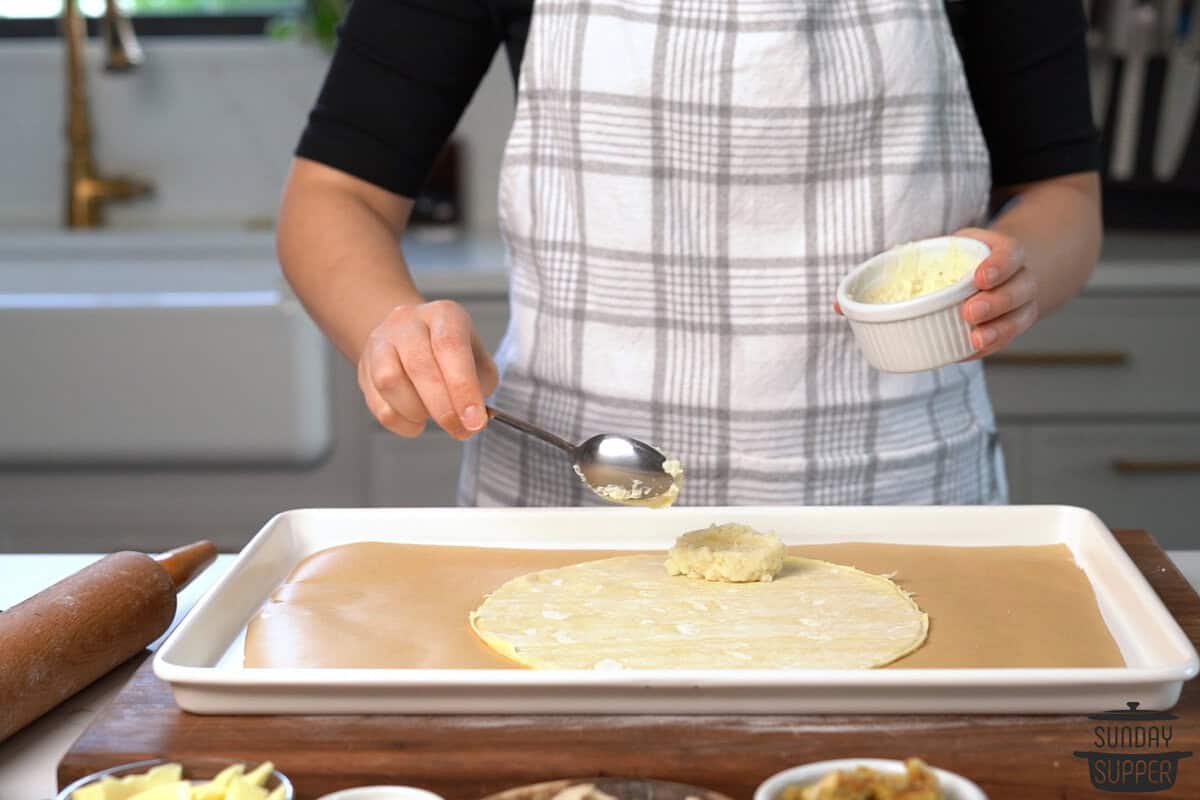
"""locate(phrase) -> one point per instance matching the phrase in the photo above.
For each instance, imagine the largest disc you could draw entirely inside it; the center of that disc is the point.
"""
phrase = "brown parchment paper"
(372, 604)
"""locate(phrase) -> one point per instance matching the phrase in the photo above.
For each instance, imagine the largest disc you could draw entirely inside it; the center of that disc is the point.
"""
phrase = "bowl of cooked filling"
(868, 779)
(903, 304)
(160, 779)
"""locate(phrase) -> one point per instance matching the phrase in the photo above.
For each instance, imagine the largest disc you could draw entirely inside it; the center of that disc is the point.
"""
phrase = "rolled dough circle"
(627, 613)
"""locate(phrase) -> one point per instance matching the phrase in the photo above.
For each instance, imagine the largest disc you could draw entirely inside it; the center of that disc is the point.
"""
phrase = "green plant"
(316, 21)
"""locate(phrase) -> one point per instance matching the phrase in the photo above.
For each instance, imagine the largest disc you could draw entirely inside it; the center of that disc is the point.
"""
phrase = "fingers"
(998, 333)
(1006, 257)
(421, 366)
(410, 424)
(983, 306)
(452, 339)
(427, 361)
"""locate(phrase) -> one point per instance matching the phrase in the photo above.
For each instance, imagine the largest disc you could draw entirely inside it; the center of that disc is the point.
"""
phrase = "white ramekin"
(953, 786)
(912, 335)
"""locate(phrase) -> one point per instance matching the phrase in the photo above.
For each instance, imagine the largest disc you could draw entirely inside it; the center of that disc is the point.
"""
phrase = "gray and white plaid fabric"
(684, 185)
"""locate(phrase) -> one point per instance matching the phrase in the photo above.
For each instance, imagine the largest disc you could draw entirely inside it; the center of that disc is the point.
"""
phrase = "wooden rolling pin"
(65, 637)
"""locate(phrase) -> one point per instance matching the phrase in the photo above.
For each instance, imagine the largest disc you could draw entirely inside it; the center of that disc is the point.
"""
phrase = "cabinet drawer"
(1103, 355)
(412, 472)
(1133, 476)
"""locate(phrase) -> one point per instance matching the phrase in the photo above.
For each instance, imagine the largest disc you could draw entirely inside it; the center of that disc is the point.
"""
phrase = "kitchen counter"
(29, 758)
(80, 261)
(476, 264)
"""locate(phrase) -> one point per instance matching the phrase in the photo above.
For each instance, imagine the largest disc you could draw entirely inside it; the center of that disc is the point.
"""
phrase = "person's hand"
(1006, 305)
(427, 361)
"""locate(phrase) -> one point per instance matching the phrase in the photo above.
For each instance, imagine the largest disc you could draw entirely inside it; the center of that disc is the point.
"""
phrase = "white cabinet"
(1099, 406)
(1104, 355)
(1133, 475)
(412, 472)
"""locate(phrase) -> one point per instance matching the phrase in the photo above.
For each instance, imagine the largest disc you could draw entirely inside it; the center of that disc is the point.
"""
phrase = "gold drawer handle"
(1084, 358)
(1130, 466)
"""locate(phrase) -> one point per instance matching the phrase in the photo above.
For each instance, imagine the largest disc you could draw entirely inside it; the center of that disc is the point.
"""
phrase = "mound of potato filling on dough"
(730, 552)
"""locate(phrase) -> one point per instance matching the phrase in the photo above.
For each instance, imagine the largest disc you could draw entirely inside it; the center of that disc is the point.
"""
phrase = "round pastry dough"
(729, 552)
(628, 613)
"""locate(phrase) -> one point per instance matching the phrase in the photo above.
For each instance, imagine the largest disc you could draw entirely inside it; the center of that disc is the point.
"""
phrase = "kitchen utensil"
(1143, 41)
(1100, 59)
(953, 786)
(925, 332)
(202, 660)
(64, 637)
(1169, 17)
(1110, 39)
(1181, 93)
(618, 468)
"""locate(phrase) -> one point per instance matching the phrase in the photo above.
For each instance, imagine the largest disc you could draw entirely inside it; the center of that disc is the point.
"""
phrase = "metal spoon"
(618, 468)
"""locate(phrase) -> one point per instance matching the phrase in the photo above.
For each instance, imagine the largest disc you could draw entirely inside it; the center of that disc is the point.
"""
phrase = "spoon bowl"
(623, 469)
(620, 469)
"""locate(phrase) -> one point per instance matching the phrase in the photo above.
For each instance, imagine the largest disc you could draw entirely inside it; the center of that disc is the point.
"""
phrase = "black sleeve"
(1026, 65)
(402, 74)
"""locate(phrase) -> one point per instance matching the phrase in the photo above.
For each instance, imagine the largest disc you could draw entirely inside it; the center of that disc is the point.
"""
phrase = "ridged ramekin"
(925, 332)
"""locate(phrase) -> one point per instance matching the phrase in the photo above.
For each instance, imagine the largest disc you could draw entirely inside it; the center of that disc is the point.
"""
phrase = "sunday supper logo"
(1132, 751)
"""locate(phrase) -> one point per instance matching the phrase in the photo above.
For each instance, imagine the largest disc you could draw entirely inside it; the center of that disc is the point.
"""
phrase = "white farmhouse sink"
(130, 347)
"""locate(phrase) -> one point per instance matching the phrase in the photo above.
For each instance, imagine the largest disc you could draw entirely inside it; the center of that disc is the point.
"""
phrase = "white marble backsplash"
(212, 122)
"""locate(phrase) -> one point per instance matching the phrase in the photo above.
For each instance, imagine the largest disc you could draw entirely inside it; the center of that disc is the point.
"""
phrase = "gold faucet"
(86, 191)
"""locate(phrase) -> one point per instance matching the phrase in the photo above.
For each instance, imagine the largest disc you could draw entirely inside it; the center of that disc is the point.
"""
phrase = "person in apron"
(684, 185)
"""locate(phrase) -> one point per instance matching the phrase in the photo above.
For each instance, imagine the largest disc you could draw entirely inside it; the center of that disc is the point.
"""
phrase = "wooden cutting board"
(467, 758)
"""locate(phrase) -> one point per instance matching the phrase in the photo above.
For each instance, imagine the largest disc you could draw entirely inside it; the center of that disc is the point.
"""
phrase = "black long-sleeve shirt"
(404, 71)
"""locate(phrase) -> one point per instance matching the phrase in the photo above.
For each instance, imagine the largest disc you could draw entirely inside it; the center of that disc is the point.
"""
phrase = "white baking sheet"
(202, 660)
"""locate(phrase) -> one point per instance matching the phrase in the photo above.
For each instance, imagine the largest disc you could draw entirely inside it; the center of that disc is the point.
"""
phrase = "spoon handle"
(526, 427)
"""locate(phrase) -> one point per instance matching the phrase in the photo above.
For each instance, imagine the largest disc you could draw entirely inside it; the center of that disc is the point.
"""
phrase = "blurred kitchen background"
(159, 384)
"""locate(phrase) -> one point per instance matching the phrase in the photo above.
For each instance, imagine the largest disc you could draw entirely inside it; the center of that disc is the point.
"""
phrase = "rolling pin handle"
(185, 563)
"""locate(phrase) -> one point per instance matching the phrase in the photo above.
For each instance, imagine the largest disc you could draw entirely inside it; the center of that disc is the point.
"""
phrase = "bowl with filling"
(903, 304)
(868, 779)
(160, 779)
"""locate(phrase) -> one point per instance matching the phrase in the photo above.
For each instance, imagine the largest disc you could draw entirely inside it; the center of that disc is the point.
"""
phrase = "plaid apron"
(683, 187)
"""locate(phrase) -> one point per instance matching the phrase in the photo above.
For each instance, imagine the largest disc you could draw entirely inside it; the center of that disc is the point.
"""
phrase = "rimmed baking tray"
(202, 659)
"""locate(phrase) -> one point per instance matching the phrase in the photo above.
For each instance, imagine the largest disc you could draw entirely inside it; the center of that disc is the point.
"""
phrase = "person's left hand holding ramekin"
(1006, 304)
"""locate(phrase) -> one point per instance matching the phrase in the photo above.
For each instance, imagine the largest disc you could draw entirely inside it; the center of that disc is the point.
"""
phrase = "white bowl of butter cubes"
(904, 304)
(158, 779)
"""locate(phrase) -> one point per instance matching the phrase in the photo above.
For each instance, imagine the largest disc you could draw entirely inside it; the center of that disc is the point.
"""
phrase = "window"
(42, 9)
